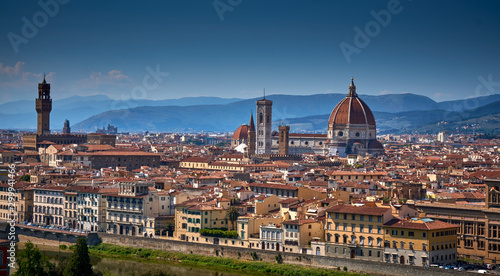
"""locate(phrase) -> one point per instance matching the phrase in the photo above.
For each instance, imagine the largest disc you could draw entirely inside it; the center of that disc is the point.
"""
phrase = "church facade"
(351, 130)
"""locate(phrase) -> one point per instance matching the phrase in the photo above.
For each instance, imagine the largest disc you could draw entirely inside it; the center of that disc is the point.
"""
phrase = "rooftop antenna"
(264, 93)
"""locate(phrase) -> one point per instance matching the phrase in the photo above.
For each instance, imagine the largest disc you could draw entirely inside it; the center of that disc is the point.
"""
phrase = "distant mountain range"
(393, 112)
(485, 119)
(22, 114)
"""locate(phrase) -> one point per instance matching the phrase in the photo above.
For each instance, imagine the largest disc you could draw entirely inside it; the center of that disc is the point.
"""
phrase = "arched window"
(261, 118)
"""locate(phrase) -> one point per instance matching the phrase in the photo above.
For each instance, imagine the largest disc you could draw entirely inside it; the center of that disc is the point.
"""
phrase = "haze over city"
(443, 50)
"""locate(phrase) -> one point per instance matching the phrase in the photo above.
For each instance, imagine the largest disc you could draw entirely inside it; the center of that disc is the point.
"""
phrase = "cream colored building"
(48, 205)
(299, 233)
(420, 242)
(248, 228)
(271, 237)
(356, 232)
(22, 199)
(91, 209)
(194, 215)
(70, 209)
(132, 211)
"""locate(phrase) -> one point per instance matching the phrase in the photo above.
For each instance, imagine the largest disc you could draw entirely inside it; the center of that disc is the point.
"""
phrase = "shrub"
(279, 258)
(219, 233)
(63, 246)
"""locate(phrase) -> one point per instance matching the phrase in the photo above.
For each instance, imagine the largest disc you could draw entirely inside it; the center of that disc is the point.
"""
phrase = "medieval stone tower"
(66, 127)
(264, 125)
(283, 140)
(43, 108)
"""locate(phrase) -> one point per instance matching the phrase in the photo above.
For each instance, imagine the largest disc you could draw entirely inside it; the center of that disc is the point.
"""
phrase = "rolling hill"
(394, 112)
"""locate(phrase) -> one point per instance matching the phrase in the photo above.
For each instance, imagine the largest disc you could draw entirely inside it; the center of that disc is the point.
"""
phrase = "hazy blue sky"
(234, 48)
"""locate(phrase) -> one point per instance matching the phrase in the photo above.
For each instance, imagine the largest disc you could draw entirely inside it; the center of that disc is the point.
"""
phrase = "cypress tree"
(79, 264)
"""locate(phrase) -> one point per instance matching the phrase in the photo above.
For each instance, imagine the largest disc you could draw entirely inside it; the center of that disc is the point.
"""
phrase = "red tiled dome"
(374, 144)
(351, 110)
(241, 133)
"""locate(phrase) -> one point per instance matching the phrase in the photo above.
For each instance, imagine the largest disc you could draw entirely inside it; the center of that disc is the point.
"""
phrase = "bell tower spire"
(250, 150)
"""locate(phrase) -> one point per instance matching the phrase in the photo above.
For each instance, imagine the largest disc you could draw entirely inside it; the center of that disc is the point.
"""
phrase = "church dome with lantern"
(352, 127)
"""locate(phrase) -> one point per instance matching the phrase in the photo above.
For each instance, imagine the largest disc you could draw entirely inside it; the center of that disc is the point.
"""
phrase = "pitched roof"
(419, 224)
(362, 210)
(300, 221)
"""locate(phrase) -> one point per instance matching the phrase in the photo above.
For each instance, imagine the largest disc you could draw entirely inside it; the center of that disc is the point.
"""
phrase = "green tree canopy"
(170, 228)
(232, 214)
(26, 178)
(31, 262)
(386, 199)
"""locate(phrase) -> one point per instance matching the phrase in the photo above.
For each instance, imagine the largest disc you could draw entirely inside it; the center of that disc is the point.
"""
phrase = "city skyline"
(445, 50)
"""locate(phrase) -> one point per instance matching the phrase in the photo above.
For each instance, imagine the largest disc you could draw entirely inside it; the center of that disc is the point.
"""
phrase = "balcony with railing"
(292, 242)
(126, 208)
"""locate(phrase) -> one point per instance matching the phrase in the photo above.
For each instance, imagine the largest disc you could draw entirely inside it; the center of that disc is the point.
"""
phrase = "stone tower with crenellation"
(43, 108)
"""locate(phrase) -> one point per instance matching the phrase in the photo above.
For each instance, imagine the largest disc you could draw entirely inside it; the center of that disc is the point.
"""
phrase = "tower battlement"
(43, 108)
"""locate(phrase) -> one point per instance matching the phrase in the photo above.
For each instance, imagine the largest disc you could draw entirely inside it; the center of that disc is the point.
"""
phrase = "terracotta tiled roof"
(121, 153)
(289, 200)
(300, 221)
(351, 110)
(362, 210)
(276, 186)
(419, 225)
(197, 159)
(241, 133)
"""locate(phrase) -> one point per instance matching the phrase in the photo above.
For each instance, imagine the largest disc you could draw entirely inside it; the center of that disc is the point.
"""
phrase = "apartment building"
(420, 242)
(356, 232)
(299, 233)
(132, 211)
(49, 205)
(21, 197)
